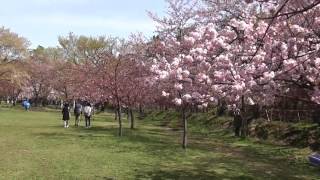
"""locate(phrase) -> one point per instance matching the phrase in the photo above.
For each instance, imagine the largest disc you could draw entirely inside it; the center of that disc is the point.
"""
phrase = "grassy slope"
(33, 145)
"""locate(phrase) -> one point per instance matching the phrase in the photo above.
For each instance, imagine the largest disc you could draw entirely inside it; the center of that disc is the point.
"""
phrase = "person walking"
(77, 113)
(66, 115)
(87, 114)
(26, 104)
(237, 122)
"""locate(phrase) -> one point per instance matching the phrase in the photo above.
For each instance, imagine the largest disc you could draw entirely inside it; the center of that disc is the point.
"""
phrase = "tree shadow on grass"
(227, 161)
(148, 141)
(220, 167)
(186, 175)
(206, 170)
(175, 175)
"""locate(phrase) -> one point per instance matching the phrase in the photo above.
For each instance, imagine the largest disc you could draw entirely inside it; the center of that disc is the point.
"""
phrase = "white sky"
(42, 21)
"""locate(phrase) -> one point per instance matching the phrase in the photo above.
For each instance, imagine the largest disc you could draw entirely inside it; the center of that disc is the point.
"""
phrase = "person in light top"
(87, 111)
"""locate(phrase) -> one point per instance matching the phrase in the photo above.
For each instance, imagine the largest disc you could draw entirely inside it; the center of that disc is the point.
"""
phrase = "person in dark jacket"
(66, 115)
(316, 116)
(77, 113)
(237, 122)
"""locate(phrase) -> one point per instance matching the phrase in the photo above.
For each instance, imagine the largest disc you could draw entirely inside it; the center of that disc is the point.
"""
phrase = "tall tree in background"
(12, 48)
(78, 49)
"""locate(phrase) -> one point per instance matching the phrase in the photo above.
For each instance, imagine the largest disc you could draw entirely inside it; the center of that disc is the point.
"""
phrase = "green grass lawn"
(34, 145)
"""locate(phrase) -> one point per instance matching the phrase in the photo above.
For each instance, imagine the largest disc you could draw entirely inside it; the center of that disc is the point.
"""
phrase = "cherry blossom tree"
(244, 61)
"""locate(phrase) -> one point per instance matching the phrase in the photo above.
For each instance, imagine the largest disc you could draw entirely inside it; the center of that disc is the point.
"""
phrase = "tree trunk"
(141, 114)
(73, 104)
(14, 101)
(120, 121)
(36, 100)
(268, 118)
(184, 138)
(116, 114)
(128, 113)
(244, 128)
(103, 107)
(132, 119)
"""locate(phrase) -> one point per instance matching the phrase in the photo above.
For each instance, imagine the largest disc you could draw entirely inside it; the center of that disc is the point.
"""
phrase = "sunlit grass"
(34, 145)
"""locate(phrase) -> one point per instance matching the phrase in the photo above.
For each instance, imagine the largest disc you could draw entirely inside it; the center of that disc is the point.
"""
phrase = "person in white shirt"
(87, 111)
